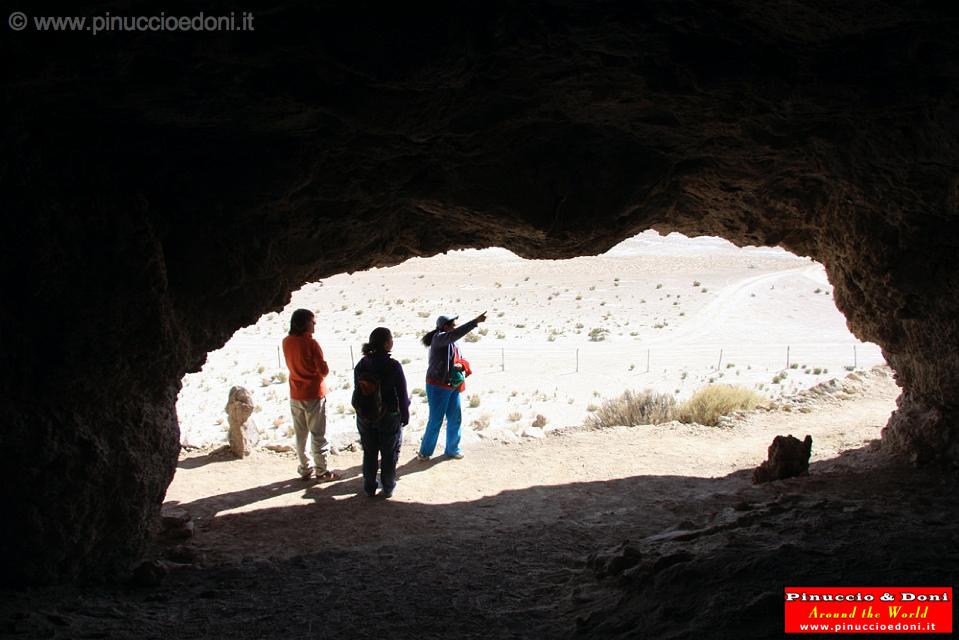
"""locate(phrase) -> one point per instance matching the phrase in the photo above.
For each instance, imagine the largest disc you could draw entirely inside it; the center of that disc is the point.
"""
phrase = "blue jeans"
(443, 402)
(379, 451)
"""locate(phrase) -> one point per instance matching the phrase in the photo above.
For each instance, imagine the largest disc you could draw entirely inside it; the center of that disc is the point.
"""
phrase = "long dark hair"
(299, 320)
(377, 344)
(427, 340)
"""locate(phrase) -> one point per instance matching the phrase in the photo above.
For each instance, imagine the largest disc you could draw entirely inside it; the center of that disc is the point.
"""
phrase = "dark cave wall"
(162, 190)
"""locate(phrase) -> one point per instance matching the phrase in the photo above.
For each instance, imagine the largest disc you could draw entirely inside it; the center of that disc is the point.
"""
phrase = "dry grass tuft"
(634, 408)
(709, 404)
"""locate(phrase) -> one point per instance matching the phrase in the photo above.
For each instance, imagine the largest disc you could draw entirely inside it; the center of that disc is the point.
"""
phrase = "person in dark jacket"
(380, 436)
(441, 392)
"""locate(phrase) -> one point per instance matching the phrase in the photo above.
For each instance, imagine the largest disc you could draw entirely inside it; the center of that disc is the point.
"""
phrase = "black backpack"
(368, 397)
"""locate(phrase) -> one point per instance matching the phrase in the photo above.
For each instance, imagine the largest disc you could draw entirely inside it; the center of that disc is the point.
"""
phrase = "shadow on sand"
(645, 556)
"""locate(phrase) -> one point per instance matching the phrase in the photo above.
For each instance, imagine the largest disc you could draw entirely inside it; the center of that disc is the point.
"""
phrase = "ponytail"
(427, 340)
(377, 343)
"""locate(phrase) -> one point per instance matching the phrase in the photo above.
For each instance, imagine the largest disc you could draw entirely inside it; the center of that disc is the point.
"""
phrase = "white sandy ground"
(678, 313)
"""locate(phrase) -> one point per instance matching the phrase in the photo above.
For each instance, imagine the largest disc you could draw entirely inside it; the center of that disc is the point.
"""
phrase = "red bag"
(455, 374)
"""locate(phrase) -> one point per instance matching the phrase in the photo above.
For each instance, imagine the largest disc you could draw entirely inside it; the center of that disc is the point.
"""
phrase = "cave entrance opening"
(666, 313)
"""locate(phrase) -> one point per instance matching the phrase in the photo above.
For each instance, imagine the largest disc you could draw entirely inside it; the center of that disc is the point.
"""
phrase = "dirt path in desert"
(702, 324)
(258, 508)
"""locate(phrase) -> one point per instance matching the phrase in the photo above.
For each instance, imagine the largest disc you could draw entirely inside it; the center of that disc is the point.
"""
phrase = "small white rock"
(504, 435)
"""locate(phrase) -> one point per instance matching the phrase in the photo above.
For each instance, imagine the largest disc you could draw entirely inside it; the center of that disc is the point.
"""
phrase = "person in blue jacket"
(442, 392)
(380, 436)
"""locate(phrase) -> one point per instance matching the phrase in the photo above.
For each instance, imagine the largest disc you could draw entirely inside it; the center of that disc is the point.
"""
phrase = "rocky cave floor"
(657, 555)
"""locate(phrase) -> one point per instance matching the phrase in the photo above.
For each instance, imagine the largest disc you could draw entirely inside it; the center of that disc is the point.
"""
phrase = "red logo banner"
(868, 609)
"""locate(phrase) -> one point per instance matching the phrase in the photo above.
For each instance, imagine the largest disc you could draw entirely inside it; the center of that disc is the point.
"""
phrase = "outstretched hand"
(480, 318)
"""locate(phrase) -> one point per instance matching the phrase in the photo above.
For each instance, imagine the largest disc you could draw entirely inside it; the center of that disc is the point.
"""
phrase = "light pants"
(442, 402)
(309, 418)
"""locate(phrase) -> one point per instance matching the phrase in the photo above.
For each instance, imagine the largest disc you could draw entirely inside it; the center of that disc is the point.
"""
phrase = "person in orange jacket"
(308, 371)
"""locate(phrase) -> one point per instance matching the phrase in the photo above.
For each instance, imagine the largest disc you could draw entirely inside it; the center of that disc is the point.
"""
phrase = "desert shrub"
(540, 421)
(515, 416)
(280, 377)
(474, 401)
(482, 331)
(597, 335)
(634, 408)
(405, 361)
(419, 391)
(709, 404)
(471, 337)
